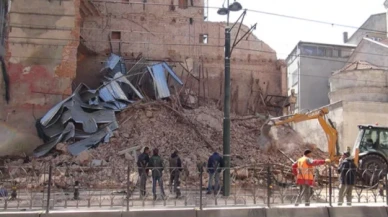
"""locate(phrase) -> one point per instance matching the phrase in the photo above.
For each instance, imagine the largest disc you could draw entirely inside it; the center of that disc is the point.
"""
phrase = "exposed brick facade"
(42, 44)
(43, 60)
(159, 31)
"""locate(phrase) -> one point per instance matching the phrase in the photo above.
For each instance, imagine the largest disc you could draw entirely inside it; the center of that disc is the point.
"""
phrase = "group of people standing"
(155, 163)
(303, 170)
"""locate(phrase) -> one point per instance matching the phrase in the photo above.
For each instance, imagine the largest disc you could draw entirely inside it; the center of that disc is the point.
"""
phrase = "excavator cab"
(371, 152)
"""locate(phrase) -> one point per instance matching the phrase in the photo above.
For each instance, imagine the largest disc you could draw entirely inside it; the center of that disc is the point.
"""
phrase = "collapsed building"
(94, 109)
(53, 47)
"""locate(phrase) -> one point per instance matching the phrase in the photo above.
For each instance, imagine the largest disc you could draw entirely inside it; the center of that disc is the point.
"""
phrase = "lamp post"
(235, 6)
(226, 121)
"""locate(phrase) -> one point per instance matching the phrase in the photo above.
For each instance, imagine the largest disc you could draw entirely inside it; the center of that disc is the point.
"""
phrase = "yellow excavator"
(268, 137)
(370, 150)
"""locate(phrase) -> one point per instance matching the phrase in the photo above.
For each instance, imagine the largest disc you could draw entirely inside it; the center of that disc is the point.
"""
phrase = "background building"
(309, 67)
(375, 28)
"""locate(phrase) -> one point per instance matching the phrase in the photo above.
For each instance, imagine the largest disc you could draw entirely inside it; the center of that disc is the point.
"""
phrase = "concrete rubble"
(118, 115)
(169, 129)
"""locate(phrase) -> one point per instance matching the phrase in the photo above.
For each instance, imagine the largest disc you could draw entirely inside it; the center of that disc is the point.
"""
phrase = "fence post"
(330, 187)
(386, 188)
(254, 185)
(200, 187)
(128, 183)
(49, 188)
(269, 186)
(76, 190)
(14, 193)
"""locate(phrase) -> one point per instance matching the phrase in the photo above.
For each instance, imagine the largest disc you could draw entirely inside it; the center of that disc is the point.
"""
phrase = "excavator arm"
(320, 115)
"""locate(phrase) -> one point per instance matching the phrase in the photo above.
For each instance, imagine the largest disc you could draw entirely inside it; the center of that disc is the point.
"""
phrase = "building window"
(203, 38)
(321, 51)
(172, 6)
(183, 4)
(309, 50)
(295, 78)
(116, 35)
(374, 38)
(336, 53)
(329, 52)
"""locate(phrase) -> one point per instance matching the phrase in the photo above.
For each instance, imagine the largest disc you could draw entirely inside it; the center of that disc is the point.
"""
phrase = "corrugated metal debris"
(87, 117)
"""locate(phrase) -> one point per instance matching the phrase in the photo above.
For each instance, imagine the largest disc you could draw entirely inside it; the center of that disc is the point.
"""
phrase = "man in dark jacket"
(175, 169)
(157, 166)
(142, 164)
(214, 165)
(347, 171)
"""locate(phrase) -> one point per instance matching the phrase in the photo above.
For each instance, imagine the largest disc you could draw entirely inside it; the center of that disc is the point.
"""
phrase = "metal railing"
(48, 187)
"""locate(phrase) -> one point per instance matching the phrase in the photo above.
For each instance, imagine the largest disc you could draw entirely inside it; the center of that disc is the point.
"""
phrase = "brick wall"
(165, 32)
(41, 55)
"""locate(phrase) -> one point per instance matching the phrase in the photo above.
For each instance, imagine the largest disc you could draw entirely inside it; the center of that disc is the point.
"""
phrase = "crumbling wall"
(176, 34)
(359, 85)
(41, 59)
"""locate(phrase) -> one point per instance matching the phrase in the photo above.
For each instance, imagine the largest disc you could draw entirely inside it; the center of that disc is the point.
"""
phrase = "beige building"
(358, 96)
(359, 91)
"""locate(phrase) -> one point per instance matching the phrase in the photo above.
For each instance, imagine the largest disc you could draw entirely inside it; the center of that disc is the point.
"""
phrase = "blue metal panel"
(116, 91)
(160, 80)
(45, 120)
(172, 73)
(105, 95)
(112, 61)
(121, 78)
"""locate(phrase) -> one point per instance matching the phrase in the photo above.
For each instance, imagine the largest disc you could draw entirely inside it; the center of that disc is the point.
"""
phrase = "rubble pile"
(195, 133)
(96, 134)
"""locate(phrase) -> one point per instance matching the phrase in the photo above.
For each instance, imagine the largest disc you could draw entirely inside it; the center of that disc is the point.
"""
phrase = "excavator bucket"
(268, 137)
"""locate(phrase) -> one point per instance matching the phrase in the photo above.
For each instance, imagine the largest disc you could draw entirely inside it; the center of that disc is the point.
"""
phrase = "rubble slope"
(196, 133)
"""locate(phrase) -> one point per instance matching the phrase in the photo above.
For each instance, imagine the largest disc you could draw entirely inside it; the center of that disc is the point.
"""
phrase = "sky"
(282, 34)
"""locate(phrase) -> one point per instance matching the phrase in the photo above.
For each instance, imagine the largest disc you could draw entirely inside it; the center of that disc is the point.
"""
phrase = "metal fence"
(47, 187)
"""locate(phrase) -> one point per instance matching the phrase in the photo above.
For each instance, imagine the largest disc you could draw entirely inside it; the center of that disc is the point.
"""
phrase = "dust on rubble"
(195, 133)
(158, 126)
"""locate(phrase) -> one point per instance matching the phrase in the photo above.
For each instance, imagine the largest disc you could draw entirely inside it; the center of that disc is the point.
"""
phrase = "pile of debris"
(120, 114)
(158, 125)
(87, 117)
(195, 133)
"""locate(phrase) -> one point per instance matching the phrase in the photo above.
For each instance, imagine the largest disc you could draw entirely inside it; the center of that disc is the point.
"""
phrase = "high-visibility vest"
(305, 172)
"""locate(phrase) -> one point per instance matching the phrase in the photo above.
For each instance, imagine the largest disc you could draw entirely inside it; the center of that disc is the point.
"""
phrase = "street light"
(226, 122)
(222, 11)
(235, 6)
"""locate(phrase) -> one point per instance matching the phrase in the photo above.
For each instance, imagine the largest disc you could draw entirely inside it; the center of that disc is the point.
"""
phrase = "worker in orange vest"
(303, 169)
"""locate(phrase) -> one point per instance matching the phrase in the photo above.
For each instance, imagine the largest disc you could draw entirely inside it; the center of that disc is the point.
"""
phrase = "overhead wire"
(195, 45)
(207, 45)
(233, 68)
(249, 10)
